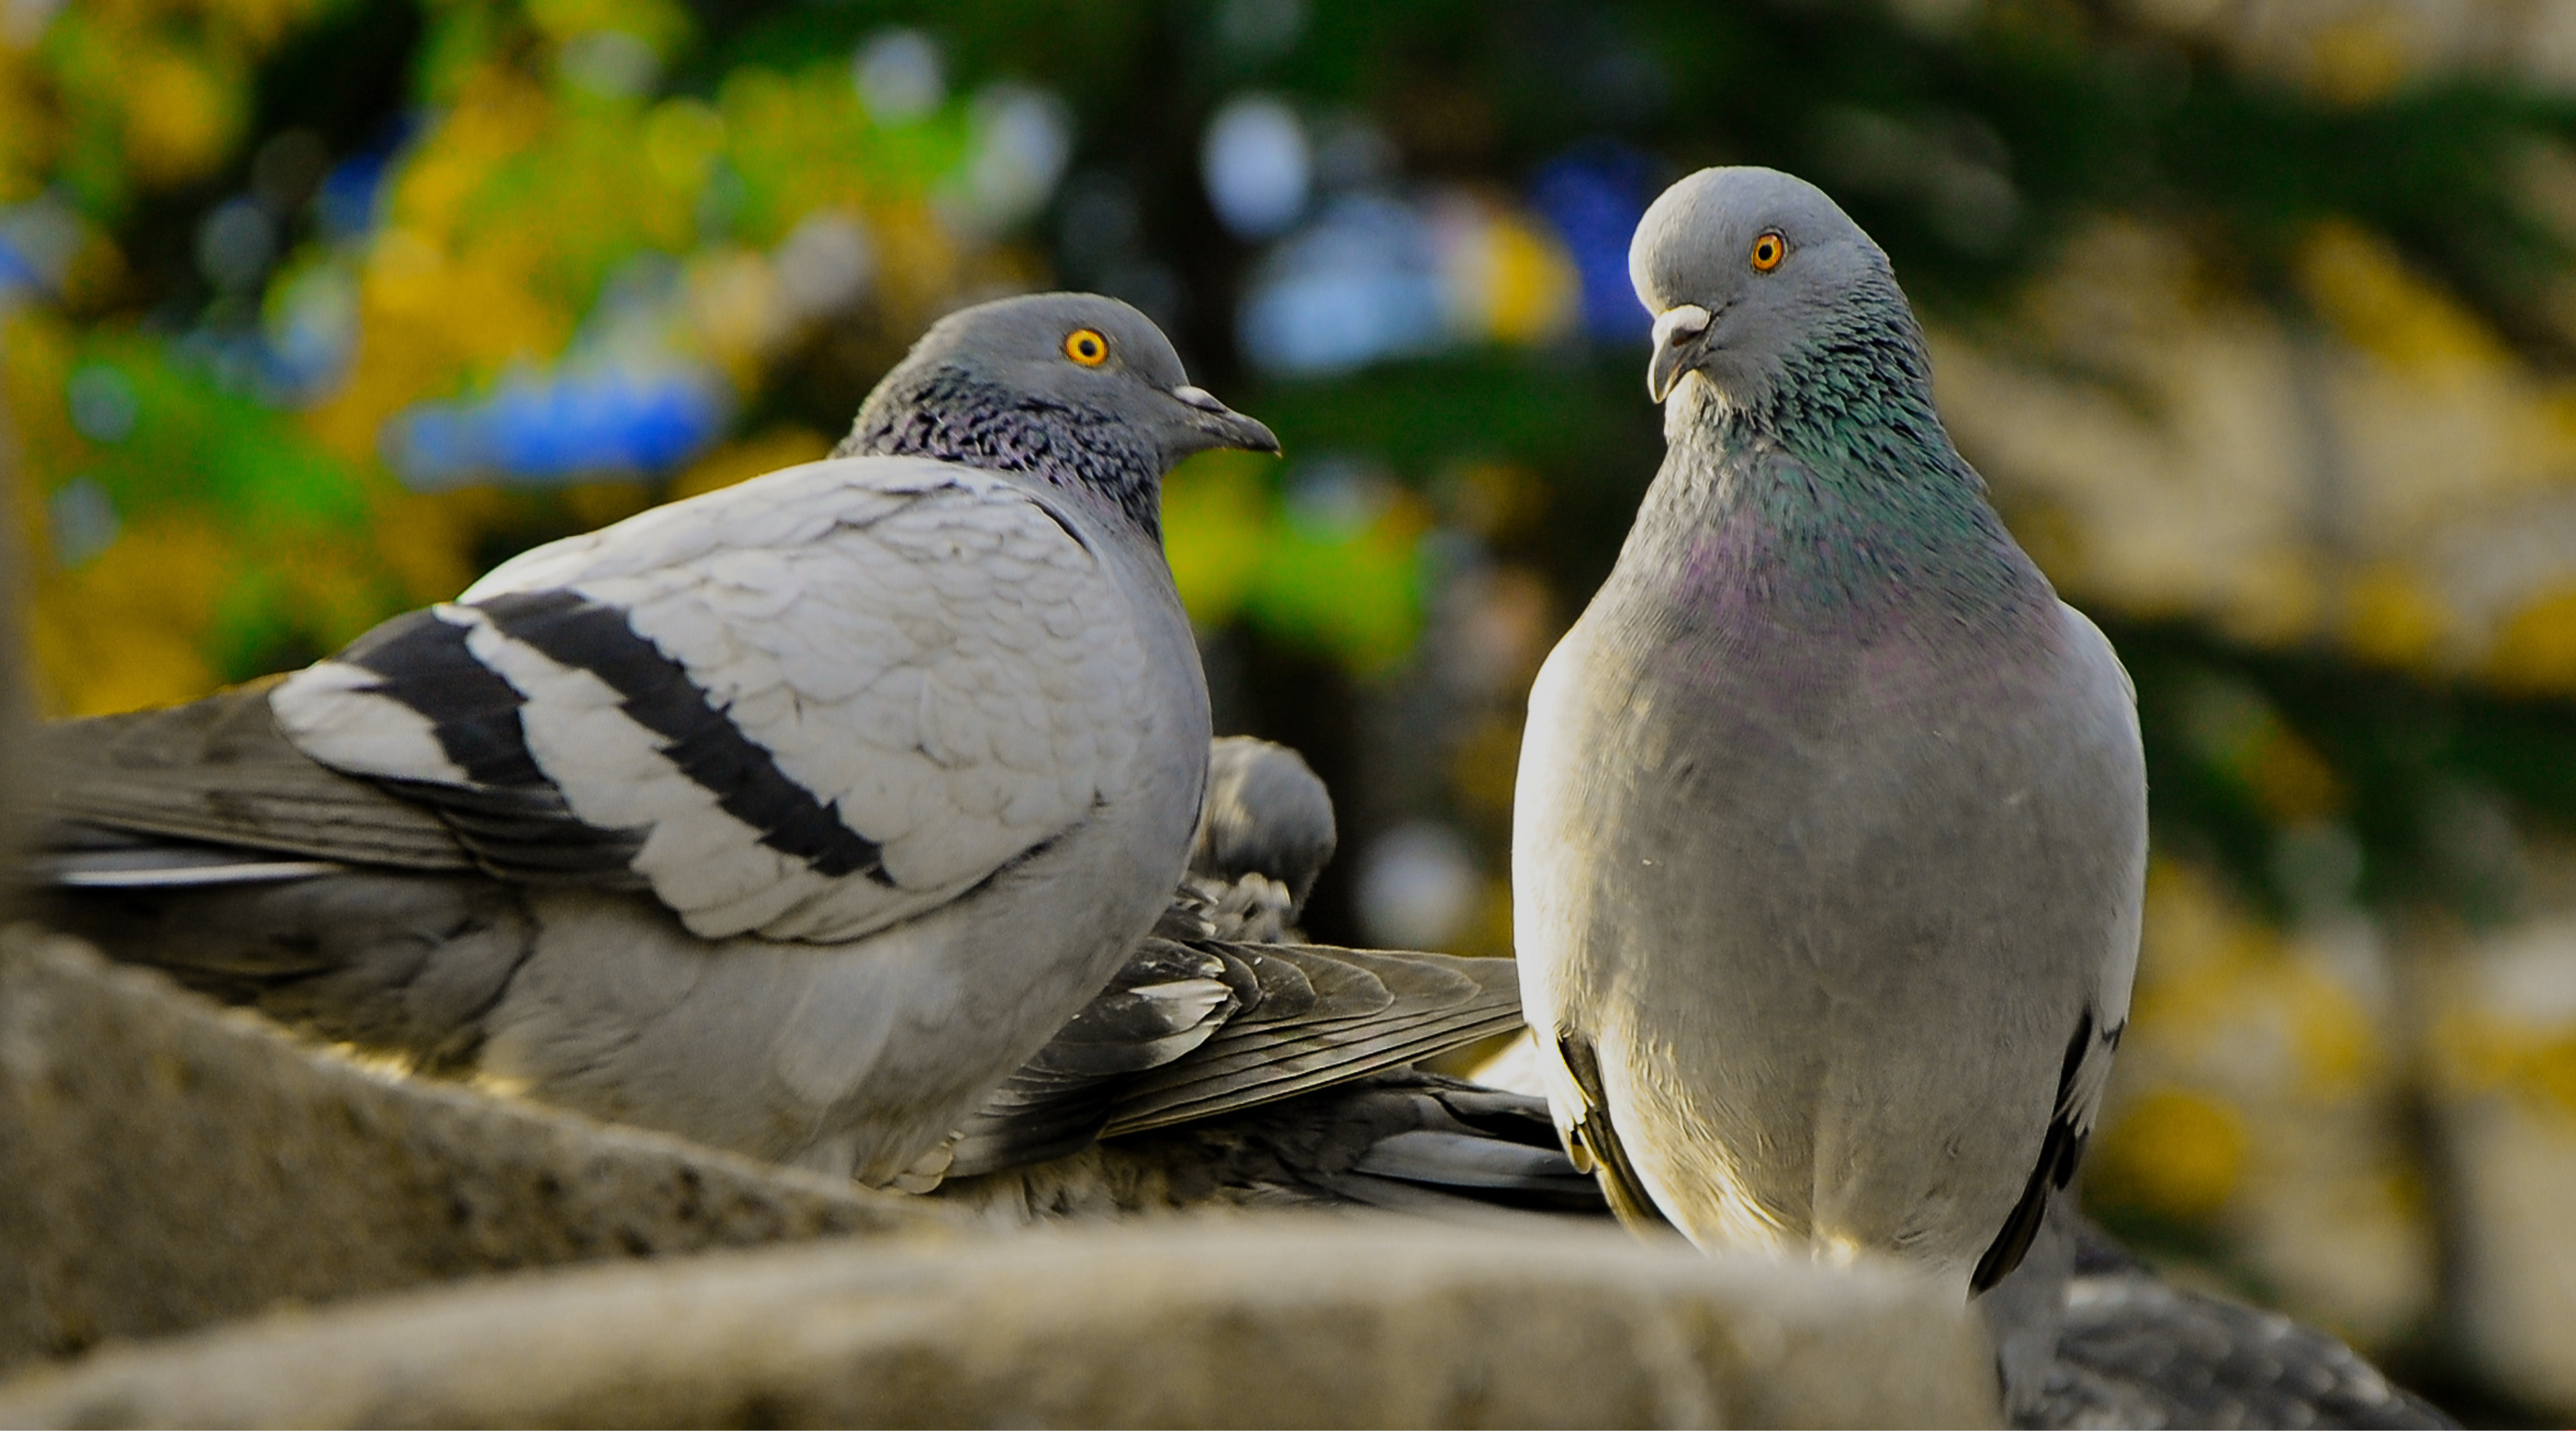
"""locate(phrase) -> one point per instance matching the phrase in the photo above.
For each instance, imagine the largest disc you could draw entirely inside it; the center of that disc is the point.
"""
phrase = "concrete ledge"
(1293, 1320)
(165, 1162)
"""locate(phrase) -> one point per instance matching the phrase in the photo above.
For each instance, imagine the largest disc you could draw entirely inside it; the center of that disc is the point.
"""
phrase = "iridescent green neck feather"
(1834, 494)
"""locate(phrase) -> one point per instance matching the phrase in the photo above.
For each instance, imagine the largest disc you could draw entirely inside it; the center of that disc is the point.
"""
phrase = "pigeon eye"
(1087, 347)
(1768, 250)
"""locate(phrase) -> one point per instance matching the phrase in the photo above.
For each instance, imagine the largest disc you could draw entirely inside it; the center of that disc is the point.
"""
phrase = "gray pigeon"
(1226, 1009)
(1265, 835)
(791, 818)
(1831, 827)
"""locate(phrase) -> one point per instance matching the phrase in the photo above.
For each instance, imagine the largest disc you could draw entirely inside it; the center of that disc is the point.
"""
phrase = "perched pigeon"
(1401, 1139)
(1289, 1100)
(791, 818)
(1216, 1013)
(1265, 835)
(1223, 1066)
(1831, 826)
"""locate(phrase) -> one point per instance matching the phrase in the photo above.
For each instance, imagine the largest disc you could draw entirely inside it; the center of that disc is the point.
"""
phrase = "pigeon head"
(1747, 270)
(1266, 813)
(1077, 390)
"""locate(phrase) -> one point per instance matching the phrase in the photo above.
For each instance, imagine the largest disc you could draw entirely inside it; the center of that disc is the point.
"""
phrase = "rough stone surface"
(165, 1163)
(1310, 1320)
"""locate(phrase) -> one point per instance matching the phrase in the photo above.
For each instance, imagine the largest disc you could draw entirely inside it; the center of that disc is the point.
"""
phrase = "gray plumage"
(791, 818)
(2086, 1335)
(1227, 1009)
(1195, 1028)
(992, 387)
(1399, 1140)
(2136, 1350)
(1830, 833)
(1188, 1033)
(1264, 835)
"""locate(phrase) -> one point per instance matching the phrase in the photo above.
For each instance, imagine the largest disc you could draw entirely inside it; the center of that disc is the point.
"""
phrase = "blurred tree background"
(2260, 315)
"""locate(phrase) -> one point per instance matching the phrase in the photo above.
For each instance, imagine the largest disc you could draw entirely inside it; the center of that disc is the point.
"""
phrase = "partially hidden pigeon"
(1831, 828)
(1226, 1009)
(1266, 834)
(791, 818)
(1225, 1066)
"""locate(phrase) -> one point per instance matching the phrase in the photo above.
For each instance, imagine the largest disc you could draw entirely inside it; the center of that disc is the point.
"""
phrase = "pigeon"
(1226, 1008)
(2102, 1342)
(791, 818)
(1830, 835)
(1265, 835)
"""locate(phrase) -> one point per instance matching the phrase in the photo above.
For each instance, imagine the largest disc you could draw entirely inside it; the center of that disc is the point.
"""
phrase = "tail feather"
(395, 962)
(218, 772)
(176, 866)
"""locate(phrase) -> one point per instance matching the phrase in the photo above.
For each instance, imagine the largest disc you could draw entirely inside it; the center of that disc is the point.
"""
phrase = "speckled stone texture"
(165, 1163)
(1308, 1320)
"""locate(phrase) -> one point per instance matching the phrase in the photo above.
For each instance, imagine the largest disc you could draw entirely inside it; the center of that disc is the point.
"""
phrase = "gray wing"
(1265, 831)
(811, 706)
(2086, 1070)
(1402, 1140)
(1324, 1016)
(1167, 1000)
(2138, 1351)
(1464, 1146)
(217, 778)
(397, 962)
(2061, 1150)
(1188, 1032)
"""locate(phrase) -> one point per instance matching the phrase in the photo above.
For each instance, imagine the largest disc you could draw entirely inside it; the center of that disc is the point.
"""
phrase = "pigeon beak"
(1678, 331)
(1222, 426)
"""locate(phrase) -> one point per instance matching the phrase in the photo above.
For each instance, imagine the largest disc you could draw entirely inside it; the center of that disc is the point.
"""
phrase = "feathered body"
(1831, 829)
(792, 817)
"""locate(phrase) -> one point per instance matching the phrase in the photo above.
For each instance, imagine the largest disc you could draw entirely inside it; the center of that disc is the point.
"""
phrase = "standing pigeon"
(790, 818)
(1831, 826)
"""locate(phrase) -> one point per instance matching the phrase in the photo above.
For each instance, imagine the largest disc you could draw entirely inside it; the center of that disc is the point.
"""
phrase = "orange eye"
(1087, 347)
(1768, 250)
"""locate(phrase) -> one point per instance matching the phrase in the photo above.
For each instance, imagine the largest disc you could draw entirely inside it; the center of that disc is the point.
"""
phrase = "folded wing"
(809, 706)
(1192, 1031)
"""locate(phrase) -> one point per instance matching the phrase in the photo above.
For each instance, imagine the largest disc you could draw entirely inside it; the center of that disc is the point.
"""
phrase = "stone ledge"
(1310, 1320)
(165, 1162)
